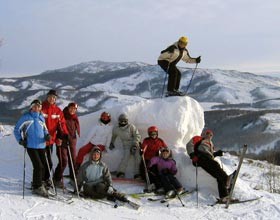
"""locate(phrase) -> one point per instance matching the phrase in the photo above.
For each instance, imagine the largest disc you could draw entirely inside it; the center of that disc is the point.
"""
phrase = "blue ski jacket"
(31, 126)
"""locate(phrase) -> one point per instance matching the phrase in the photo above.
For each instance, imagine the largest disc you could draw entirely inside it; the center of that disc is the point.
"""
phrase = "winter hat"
(73, 104)
(35, 102)
(52, 92)
(123, 120)
(96, 149)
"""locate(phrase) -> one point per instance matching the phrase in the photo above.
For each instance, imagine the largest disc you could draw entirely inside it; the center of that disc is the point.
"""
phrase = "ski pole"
(178, 196)
(49, 169)
(196, 184)
(148, 182)
(73, 171)
(191, 78)
(24, 167)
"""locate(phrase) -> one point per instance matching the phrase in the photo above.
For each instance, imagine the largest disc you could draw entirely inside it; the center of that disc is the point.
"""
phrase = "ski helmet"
(183, 40)
(105, 117)
(152, 129)
(123, 120)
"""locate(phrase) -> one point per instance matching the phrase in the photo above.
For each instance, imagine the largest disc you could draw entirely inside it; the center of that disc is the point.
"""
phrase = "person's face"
(96, 156)
(153, 135)
(182, 44)
(51, 99)
(209, 136)
(72, 110)
(165, 154)
(36, 108)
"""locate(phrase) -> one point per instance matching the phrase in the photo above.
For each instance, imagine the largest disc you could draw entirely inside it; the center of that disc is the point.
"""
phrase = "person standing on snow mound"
(100, 136)
(73, 127)
(31, 132)
(55, 122)
(205, 158)
(130, 139)
(168, 60)
(150, 147)
(163, 169)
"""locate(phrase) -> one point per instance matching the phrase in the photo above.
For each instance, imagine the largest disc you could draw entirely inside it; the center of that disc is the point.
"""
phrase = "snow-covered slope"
(175, 129)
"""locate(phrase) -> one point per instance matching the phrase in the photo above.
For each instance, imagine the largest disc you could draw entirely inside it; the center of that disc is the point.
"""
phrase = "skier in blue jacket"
(31, 132)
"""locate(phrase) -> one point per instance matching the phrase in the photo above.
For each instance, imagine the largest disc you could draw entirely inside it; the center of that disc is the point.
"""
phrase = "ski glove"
(165, 171)
(218, 153)
(47, 137)
(112, 146)
(110, 190)
(23, 143)
(198, 59)
(194, 158)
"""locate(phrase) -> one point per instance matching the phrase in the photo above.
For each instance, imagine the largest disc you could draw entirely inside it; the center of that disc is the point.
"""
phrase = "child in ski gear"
(100, 136)
(94, 176)
(168, 60)
(31, 132)
(55, 123)
(150, 147)
(205, 159)
(163, 169)
(70, 140)
(130, 139)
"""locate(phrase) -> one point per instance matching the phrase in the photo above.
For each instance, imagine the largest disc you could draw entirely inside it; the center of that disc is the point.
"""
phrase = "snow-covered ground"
(178, 119)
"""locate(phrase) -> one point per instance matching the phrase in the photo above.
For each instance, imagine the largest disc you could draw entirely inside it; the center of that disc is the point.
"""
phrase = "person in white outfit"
(130, 138)
(101, 135)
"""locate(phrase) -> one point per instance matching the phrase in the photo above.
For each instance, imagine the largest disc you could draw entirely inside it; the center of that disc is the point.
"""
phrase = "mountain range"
(240, 107)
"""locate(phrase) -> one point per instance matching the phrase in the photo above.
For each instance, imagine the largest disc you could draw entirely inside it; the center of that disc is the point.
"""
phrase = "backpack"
(193, 144)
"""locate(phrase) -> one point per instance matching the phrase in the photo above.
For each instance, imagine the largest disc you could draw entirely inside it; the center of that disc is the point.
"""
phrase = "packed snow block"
(177, 118)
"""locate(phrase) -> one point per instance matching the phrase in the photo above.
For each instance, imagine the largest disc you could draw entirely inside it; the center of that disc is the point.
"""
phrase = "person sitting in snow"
(205, 158)
(163, 169)
(150, 147)
(31, 132)
(130, 139)
(95, 178)
(69, 141)
(100, 136)
(168, 60)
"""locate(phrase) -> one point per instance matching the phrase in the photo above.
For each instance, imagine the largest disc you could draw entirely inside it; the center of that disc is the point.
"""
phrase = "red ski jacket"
(153, 146)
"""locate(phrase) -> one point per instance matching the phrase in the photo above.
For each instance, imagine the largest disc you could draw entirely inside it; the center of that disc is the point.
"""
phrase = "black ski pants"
(169, 182)
(97, 191)
(212, 167)
(38, 159)
(174, 75)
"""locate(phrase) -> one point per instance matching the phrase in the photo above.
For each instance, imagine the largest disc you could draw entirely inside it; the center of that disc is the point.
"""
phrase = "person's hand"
(198, 59)
(47, 137)
(218, 153)
(194, 158)
(23, 143)
(58, 142)
(133, 150)
(165, 171)
(110, 190)
(112, 146)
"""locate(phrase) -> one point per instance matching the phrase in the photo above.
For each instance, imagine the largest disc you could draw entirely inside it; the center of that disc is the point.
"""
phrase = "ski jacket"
(172, 54)
(92, 172)
(72, 124)
(54, 120)
(31, 126)
(206, 148)
(128, 134)
(163, 164)
(100, 134)
(152, 147)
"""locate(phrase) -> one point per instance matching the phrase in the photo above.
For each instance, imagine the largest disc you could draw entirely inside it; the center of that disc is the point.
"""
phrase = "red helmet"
(105, 116)
(152, 129)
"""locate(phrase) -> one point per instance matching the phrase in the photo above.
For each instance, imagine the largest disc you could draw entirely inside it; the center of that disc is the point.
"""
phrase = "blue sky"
(39, 35)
